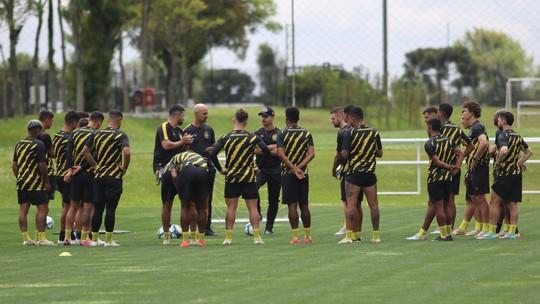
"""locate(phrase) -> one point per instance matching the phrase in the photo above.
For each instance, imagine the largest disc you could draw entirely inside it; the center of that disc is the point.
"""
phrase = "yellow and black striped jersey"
(339, 146)
(362, 143)
(516, 144)
(239, 146)
(187, 158)
(46, 139)
(442, 147)
(28, 154)
(476, 131)
(456, 135)
(295, 141)
(75, 146)
(59, 143)
(107, 145)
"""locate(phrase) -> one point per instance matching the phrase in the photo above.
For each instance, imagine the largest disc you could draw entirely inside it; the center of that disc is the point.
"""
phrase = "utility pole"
(293, 58)
(385, 49)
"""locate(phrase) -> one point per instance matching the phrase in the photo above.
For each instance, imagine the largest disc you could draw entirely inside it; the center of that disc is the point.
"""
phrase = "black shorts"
(509, 188)
(294, 190)
(53, 187)
(248, 190)
(82, 187)
(439, 191)
(477, 182)
(192, 184)
(344, 195)
(64, 188)
(34, 197)
(107, 189)
(454, 183)
(362, 179)
(168, 190)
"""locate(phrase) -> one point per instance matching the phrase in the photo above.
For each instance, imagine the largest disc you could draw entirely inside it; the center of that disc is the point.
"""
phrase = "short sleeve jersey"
(187, 158)
(60, 141)
(47, 141)
(339, 146)
(442, 147)
(456, 135)
(476, 131)
(515, 143)
(362, 143)
(295, 141)
(268, 163)
(166, 132)
(239, 146)
(28, 154)
(203, 138)
(75, 146)
(107, 145)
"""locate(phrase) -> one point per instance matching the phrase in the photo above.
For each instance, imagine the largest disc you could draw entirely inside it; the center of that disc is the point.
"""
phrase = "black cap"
(266, 110)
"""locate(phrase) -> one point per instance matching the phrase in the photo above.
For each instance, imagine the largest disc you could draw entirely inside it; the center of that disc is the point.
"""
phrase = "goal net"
(523, 99)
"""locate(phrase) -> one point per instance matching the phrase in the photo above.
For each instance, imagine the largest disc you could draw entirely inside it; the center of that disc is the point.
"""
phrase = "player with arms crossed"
(239, 146)
(296, 150)
(361, 146)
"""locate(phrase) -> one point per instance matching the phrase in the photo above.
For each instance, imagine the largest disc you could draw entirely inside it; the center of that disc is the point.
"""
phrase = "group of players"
(82, 161)
(185, 163)
(499, 217)
(87, 163)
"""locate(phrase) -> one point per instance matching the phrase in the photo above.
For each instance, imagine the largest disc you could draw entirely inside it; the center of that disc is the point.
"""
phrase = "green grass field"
(395, 271)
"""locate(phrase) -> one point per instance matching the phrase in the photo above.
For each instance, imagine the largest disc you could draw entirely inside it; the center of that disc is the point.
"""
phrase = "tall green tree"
(268, 73)
(498, 57)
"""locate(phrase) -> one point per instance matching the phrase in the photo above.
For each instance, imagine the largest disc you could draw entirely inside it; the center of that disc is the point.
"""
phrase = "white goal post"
(520, 112)
(508, 101)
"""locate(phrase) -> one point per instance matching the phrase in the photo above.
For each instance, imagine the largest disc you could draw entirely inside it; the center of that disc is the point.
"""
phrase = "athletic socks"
(485, 227)
(464, 224)
(307, 232)
(444, 233)
(348, 234)
(84, 235)
(25, 236)
(506, 227)
(67, 236)
(493, 229)
(185, 236)
(256, 233)
(354, 235)
(62, 235)
(95, 236)
(108, 237)
(422, 232)
(192, 235)
(375, 235)
(228, 234)
(200, 236)
(512, 229)
(478, 226)
(167, 236)
(295, 233)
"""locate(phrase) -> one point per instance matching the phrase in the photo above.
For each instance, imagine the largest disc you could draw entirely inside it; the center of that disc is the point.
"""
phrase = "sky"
(349, 32)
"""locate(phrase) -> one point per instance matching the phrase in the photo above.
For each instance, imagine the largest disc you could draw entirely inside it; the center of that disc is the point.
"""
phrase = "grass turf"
(142, 270)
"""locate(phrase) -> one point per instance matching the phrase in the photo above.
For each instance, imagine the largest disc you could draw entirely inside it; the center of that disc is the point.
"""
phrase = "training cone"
(65, 253)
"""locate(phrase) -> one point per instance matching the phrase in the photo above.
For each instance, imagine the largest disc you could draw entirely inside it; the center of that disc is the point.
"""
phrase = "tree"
(63, 96)
(498, 57)
(15, 13)
(38, 6)
(74, 15)
(268, 73)
(53, 92)
(229, 86)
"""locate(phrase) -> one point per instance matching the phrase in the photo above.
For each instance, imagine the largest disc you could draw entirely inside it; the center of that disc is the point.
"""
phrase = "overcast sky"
(349, 32)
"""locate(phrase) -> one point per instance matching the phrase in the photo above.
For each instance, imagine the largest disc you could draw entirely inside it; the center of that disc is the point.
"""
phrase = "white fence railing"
(419, 142)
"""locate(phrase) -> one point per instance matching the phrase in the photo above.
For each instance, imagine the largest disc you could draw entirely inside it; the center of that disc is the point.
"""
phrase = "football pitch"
(394, 271)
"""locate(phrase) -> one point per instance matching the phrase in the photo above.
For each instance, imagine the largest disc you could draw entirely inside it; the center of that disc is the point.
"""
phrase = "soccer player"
(47, 118)
(189, 172)
(170, 140)
(477, 175)
(269, 167)
(507, 186)
(81, 178)
(339, 118)
(239, 146)
(59, 144)
(203, 139)
(444, 163)
(30, 169)
(296, 150)
(113, 154)
(361, 145)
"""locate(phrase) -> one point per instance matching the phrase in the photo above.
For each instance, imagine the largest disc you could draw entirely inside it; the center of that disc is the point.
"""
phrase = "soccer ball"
(160, 232)
(49, 224)
(248, 229)
(175, 231)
